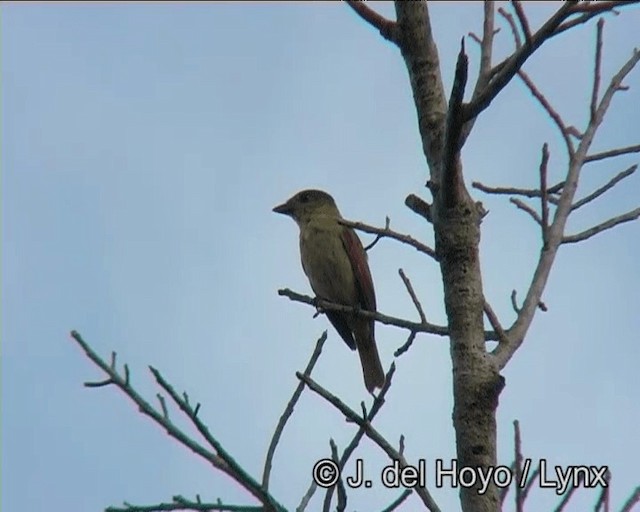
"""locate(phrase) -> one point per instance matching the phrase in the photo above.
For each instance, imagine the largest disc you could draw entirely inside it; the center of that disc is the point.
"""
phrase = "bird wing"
(358, 258)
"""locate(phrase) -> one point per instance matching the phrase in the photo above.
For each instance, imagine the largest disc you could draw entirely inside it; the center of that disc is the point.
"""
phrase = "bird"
(335, 262)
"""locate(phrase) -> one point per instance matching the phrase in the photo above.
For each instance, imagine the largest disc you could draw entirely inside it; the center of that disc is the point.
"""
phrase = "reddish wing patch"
(358, 258)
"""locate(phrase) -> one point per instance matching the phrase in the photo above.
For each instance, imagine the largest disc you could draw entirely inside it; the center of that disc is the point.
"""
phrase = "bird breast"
(326, 262)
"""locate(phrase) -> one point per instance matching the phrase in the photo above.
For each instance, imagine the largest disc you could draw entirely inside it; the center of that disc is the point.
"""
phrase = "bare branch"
(387, 28)
(553, 113)
(620, 219)
(486, 46)
(514, 304)
(371, 433)
(486, 55)
(603, 499)
(220, 460)
(163, 404)
(512, 24)
(612, 153)
(398, 501)
(495, 323)
(526, 192)
(530, 482)
(288, 411)
(453, 185)
(503, 352)
(412, 294)
(101, 384)
(597, 67)
(633, 500)
(504, 492)
(378, 402)
(513, 63)
(526, 208)
(388, 233)
(387, 320)
(571, 488)
(307, 497)
(518, 465)
(233, 468)
(544, 204)
(611, 183)
(522, 18)
(181, 503)
(406, 345)
(387, 221)
(342, 492)
(614, 86)
(427, 327)
(591, 10)
(419, 206)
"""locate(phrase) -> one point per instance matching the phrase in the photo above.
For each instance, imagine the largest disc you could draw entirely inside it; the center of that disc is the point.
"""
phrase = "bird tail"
(371, 365)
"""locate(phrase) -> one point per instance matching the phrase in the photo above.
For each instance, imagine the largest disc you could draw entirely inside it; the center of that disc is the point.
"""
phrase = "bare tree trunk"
(456, 220)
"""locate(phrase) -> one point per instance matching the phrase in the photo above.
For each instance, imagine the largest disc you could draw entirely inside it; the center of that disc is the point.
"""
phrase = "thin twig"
(611, 183)
(526, 192)
(412, 294)
(518, 462)
(387, 28)
(302, 506)
(552, 112)
(239, 473)
(544, 204)
(220, 460)
(590, 10)
(387, 222)
(597, 66)
(611, 153)
(572, 487)
(588, 233)
(486, 46)
(288, 411)
(495, 323)
(632, 501)
(371, 433)
(398, 501)
(518, 330)
(388, 233)
(504, 492)
(514, 304)
(526, 208)
(181, 503)
(342, 492)
(603, 498)
(530, 482)
(378, 402)
(406, 345)
(512, 64)
(163, 404)
(512, 24)
(522, 18)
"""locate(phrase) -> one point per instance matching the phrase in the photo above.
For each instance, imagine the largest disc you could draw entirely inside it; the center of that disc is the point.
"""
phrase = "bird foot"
(319, 309)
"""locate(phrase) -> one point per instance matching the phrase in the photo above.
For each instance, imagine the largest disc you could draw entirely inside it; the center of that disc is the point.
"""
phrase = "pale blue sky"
(143, 147)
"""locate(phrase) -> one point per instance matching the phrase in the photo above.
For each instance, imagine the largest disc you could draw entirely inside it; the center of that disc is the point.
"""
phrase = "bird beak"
(284, 208)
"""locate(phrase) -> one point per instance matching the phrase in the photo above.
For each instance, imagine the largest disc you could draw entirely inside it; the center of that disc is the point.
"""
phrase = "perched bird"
(336, 264)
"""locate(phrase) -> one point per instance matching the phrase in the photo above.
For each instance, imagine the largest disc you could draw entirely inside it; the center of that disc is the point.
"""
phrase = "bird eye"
(304, 197)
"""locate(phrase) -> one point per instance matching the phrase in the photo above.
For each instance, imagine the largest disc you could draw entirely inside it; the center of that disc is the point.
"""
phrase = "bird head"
(309, 204)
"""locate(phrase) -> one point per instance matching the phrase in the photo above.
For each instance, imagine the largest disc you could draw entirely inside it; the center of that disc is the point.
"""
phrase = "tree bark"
(476, 381)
